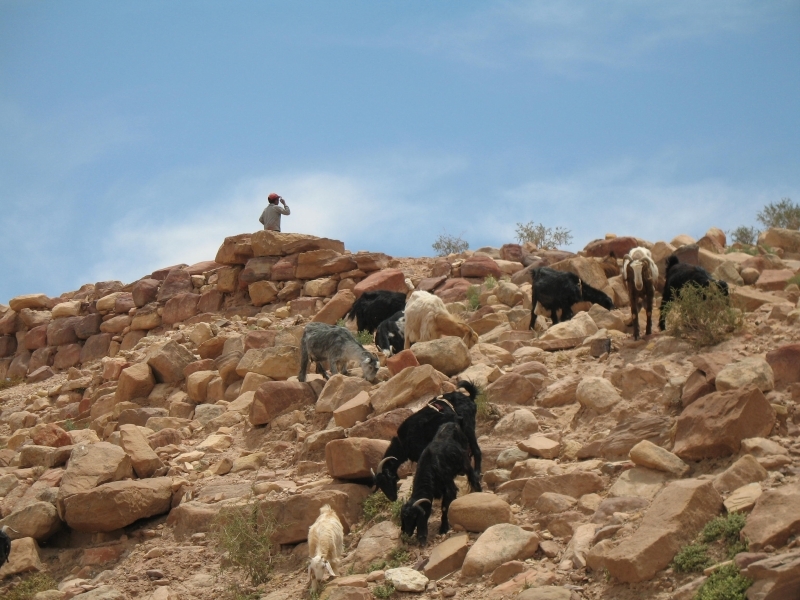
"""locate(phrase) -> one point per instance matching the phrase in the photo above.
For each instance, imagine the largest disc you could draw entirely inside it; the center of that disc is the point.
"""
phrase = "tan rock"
(672, 520)
(337, 308)
(750, 299)
(518, 423)
(647, 454)
(774, 518)
(276, 243)
(168, 361)
(23, 558)
(354, 410)
(448, 355)
(217, 442)
(275, 398)
(34, 301)
(144, 460)
(262, 292)
(552, 503)
(393, 280)
(115, 505)
(512, 388)
(580, 326)
(192, 517)
(136, 381)
(560, 393)
(479, 511)
(320, 288)
(197, 385)
(743, 499)
(338, 390)
(574, 484)
(279, 362)
(638, 482)
(70, 308)
(353, 458)
(597, 394)
(321, 263)
(785, 364)
(743, 471)
(92, 465)
(447, 557)
(618, 442)
(376, 544)
(715, 425)
(407, 386)
(541, 446)
(50, 434)
(406, 579)
(37, 520)
(490, 354)
(753, 370)
(498, 544)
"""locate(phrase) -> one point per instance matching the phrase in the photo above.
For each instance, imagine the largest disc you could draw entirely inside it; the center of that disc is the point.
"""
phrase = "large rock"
(262, 292)
(512, 388)
(620, 246)
(519, 423)
(750, 371)
(276, 243)
(50, 434)
(136, 381)
(336, 309)
(673, 519)
(785, 364)
(715, 425)
(448, 355)
(411, 384)
(776, 577)
(788, 239)
(115, 505)
(353, 458)
(479, 511)
(447, 557)
(38, 520)
(597, 394)
(498, 544)
(393, 280)
(278, 362)
(62, 331)
(145, 291)
(321, 263)
(574, 484)
(338, 390)
(744, 471)
(406, 579)
(179, 308)
(381, 427)
(480, 266)
(178, 281)
(168, 361)
(92, 465)
(275, 398)
(774, 519)
(24, 557)
(647, 454)
(618, 442)
(376, 544)
(144, 460)
(192, 517)
(560, 393)
(579, 326)
(35, 301)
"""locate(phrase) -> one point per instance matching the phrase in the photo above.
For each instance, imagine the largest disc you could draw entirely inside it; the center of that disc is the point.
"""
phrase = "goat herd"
(441, 436)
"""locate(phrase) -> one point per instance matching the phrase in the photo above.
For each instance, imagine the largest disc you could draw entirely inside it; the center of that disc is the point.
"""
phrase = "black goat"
(417, 431)
(560, 290)
(680, 274)
(5, 544)
(442, 460)
(373, 307)
(390, 335)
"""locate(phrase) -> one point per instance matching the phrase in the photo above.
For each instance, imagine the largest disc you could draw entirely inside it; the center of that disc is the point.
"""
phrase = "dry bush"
(702, 315)
(244, 533)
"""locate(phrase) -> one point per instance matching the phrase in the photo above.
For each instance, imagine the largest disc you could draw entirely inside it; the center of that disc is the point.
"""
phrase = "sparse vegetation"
(490, 282)
(484, 408)
(543, 237)
(9, 383)
(751, 250)
(726, 529)
(449, 244)
(692, 558)
(383, 591)
(702, 315)
(30, 586)
(244, 534)
(794, 280)
(744, 235)
(473, 297)
(726, 583)
(365, 337)
(784, 214)
(236, 592)
(397, 557)
(377, 507)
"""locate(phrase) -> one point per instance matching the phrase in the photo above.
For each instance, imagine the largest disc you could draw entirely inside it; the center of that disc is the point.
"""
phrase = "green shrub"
(727, 528)
(244, 533)
(543, 237)
(484, 409)
(449, 244)
(377, 506)
(30, 586)
(365, 337)
(397, 557)
(702, 315)
(490, 282)
(784, 214)
(726, 583)
(745, 235)
(794, 280)
(692, 558)
(383, 591)
(473, 297)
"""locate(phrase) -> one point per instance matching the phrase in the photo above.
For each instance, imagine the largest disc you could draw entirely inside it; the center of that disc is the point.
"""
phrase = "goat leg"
(449, 495)
(321, 370)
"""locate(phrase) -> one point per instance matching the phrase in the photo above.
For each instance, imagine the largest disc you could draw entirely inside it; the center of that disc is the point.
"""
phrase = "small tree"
(784, 214)
(543, 237)
(449, 244)
(745, 235)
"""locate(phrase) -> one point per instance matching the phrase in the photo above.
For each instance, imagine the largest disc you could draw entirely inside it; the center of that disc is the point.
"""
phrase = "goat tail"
(470, 387)
(672, 260)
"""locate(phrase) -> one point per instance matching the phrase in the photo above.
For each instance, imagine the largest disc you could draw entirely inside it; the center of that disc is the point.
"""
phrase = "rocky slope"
(132, 415)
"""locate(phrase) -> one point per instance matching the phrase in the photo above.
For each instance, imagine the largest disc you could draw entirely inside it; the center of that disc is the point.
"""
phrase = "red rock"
(205, 364)
(380, 427)
(8, 344)
(40, 374)
(161, 274)
(453, 290)
(714, 425)
(95, 348)
(480, 266)
(34, 339)
(400, 361)
(203, 267)
(336, 309)
(774, 518)
(210, 301)
(429, 284)
(620, 246)
(130, 339)
(19, 365)
(689, 254)
(67, 356)
(371, 261)
(284, 269)
(774, 280)
(41, 358)
(785, 363)
(512, 252)
(275, 398)
(9, 323)
(86, 327)
(177, 282)
(123, 303)
(352, 458)
(257, 269)
(101, 555)
(392, 280)
(179, 308)
(62, 331)
(168, 361)
(320, 263)
(235, 250)
(145, 291)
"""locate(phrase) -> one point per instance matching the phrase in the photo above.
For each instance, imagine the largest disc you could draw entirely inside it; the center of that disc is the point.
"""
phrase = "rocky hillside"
(137, 417)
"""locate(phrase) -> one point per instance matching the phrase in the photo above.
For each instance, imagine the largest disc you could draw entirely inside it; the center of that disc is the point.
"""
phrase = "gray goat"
(337, 345)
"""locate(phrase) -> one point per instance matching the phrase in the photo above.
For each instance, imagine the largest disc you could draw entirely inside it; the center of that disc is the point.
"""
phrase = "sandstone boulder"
(448, 355)
(412, 383)
(143, 459)
(275, 398)
(597, 394)
(744, 471)
(338, 390)
(574, 484)
(37, 520)
(393, 280)
(750, 371)
(406, 579)
(92, 465)
(353, 458)
(647, 454)
(512, 388)
(774, 518)
(479, 511)
(498, 544)
(136, 381)
(785, 364)
(579, 326)
(23, 558)
(337, 308)
(376, 544)
(278, 362)
(168, 361)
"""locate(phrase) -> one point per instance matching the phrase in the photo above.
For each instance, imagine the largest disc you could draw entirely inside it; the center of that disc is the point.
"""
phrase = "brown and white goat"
(325, 546)
(640, 274)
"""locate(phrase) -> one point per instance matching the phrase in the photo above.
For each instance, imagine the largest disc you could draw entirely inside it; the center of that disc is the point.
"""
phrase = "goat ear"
(366, 361)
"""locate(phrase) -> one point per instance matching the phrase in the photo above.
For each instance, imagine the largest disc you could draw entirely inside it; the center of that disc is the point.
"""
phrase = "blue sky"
(135, 135)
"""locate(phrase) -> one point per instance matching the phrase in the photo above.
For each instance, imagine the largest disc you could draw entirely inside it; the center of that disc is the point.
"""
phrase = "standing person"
(271, 217)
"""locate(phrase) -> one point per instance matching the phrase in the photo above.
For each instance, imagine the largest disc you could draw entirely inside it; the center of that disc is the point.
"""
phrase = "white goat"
(427, 318)
(634, 258)
(325, 546)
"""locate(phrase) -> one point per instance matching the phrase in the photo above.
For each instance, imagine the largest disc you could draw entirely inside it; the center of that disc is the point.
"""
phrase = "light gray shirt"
(271, 217)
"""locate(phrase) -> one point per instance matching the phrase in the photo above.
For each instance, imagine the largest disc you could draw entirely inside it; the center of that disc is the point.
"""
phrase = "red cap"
(273, 196)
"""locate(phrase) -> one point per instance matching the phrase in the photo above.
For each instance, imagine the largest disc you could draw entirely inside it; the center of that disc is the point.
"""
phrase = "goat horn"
(421, 500)
(380, 464)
